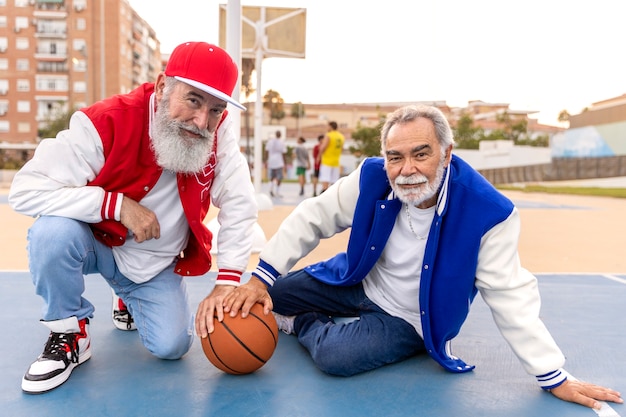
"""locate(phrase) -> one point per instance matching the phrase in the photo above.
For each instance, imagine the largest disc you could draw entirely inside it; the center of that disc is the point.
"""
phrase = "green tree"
(275, 103)
(297, 112)
(367, 140)
(466, 135)
(563, 116)
(247, 66)
(55, 123)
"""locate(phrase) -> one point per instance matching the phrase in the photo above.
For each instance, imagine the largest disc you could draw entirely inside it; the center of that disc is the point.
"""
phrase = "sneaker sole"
(40, 387)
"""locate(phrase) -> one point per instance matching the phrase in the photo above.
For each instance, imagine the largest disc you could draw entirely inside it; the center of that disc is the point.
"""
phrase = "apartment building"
(59, 55)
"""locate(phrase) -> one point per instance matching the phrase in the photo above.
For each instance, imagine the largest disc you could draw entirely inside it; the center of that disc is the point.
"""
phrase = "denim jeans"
(62, 251)
(343, 349)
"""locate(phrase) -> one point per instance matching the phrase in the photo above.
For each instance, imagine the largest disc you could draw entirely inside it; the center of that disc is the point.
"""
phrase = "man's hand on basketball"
(244, 297)
(210, 307)
(586, 394)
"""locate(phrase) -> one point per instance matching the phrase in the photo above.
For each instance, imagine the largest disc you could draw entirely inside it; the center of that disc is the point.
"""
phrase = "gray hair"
(410, 113)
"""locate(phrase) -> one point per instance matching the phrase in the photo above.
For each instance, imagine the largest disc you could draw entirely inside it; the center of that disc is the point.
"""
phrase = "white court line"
(606, 411)
(616, 279)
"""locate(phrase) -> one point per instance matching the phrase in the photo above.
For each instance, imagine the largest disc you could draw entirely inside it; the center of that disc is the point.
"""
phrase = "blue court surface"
(585, 313)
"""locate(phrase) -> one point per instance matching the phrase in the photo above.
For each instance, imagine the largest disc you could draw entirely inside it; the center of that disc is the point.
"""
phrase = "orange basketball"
(240, 346)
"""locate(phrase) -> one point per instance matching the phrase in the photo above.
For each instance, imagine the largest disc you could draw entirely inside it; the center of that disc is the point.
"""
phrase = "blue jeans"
(61, 251)
(343, 349)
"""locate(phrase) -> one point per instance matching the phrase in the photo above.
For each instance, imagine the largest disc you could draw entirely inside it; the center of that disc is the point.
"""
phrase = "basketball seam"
(241, 342)
(220, 359)
(274, 336)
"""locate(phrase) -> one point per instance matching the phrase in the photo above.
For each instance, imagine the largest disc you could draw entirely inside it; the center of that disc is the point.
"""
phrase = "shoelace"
(123, 316)
(59, 345)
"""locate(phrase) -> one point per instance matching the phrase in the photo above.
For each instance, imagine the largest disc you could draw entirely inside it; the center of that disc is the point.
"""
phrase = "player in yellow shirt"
(330, 156)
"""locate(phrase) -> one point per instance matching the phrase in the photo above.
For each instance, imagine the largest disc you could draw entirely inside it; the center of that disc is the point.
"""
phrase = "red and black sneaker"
(68, 346)
(121, 316)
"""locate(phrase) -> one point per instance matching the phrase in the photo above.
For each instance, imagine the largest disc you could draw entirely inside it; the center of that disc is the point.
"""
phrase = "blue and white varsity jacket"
(471, 248)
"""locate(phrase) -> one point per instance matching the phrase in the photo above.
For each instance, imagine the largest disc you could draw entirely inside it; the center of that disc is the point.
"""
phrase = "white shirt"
(139, 262)
(394, 281)
(275, 150)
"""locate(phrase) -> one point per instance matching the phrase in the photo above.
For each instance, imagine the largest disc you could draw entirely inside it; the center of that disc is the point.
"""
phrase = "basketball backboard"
(284, 30)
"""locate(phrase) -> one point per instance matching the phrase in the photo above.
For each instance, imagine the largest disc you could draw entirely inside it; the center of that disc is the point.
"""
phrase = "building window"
(3, 21)
(5, 126)
(21, 3)
(81, 23)
(23, 127)
(4, 64)
(22, 65)
(80, 87)
(4, 107)
(21, 22)
(23, 85)
(80, 5)
(79, 45)
(79, 65)
(23, 106)
(21, 43)
(4, 87)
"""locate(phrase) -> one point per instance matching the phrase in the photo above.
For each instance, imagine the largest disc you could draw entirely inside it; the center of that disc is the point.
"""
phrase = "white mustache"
(204, 133)
(412, 180)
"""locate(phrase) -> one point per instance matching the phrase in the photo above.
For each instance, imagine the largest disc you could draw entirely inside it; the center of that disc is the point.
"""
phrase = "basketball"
(240, 346)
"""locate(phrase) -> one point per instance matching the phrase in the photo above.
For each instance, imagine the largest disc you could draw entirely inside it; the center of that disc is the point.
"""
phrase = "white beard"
(173, 150)
(427, 189)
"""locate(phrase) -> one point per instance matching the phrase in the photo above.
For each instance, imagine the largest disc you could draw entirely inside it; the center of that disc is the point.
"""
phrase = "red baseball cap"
(206, 67)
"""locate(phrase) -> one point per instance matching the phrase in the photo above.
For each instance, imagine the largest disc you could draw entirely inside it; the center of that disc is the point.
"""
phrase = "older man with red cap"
(123, 192)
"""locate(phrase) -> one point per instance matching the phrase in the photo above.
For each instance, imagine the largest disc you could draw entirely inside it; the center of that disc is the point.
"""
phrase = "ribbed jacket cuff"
(552, 379)
(228, 277)
(266, 273)
(111, 206)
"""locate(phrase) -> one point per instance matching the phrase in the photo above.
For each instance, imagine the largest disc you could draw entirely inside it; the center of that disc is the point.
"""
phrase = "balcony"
(50, 8)
(51, 54)
(50, 32)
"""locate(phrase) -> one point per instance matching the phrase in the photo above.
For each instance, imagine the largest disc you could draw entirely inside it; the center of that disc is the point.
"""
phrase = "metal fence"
(560, 169)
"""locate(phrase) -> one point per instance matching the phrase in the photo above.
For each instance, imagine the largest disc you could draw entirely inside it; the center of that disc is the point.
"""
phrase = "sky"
(536, 55)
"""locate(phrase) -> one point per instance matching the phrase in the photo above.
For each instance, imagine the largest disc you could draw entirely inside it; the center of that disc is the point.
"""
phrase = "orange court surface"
(560, 233)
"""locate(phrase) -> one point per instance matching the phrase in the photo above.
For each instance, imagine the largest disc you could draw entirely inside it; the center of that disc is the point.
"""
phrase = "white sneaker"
(120, 314)
(285, 323)
(66, 348)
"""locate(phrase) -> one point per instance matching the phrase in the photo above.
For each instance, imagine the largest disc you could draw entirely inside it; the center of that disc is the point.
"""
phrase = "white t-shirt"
(275, 150)
(394, 281)
(140, 262)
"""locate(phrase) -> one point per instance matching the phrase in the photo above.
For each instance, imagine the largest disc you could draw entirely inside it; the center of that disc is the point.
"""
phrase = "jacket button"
(373, 248)
(146, 188)
(425, 266)
(382, 206)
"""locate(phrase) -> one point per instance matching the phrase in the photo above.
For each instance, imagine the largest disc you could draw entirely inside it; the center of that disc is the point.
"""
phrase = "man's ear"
(159, 85)
(448, 155)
